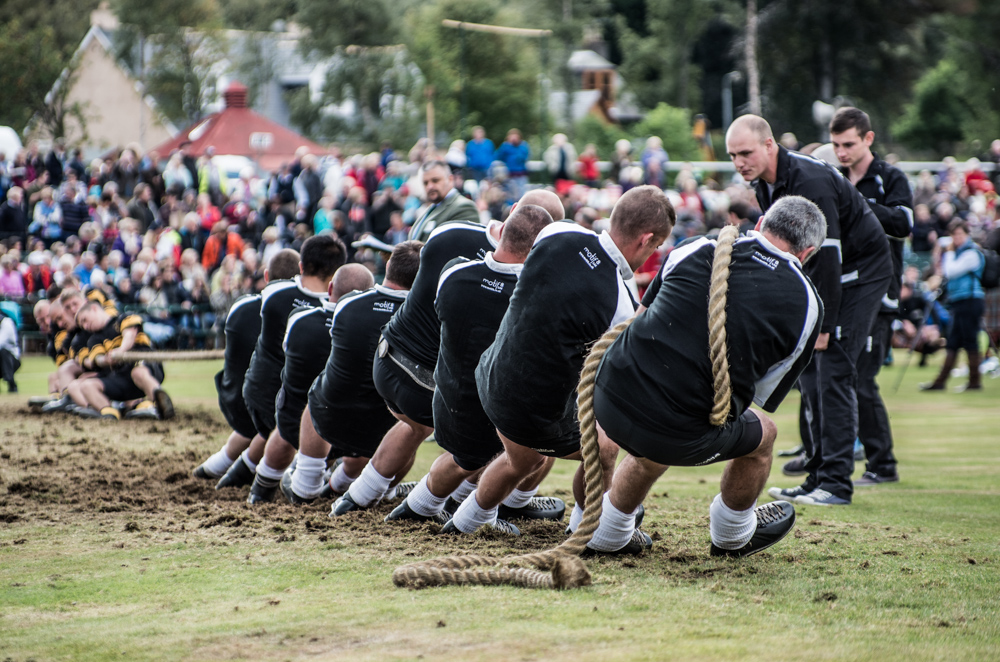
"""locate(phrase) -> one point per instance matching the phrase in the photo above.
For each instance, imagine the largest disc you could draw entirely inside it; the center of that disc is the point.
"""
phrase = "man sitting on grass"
(110, 337)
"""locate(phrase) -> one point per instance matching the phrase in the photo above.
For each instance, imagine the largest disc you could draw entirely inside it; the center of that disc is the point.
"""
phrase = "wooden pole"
(753, 75)
(495, 29)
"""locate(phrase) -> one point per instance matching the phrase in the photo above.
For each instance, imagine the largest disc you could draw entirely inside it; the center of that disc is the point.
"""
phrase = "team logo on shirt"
(590, 257)
(384, 306)
(299, 303)
(495, 286)
(768, 261)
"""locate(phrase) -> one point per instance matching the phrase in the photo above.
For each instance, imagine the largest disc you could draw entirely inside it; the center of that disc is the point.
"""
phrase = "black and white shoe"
(787, 493)
(637, 544)
(403, 489)
(539, 507)
(792, 452)
(59, 404)
(869, 478)
(796, 467)
(260, 493)
(293, 498)
(344, 505)
(238, 475)
(87, 412)
(503, 526)
(404, 512)
(774, 521)
(201, 472)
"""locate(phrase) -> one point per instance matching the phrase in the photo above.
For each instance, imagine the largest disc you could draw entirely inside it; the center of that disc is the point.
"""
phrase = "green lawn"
(108, 550)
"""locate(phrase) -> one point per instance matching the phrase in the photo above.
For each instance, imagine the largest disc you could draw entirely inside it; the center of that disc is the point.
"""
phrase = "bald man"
(408, 353)
(307, 341)
(851, 271)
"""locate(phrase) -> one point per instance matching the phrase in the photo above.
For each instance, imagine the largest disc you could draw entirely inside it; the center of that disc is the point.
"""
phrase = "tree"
(335, 23)
(501, 72)
(256, 15)
(673, 127)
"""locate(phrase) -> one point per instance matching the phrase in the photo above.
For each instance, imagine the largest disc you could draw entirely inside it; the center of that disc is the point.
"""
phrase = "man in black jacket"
(851, 271)
(888, 194)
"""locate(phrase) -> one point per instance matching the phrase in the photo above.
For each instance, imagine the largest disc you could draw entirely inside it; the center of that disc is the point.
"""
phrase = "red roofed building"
(238, 130)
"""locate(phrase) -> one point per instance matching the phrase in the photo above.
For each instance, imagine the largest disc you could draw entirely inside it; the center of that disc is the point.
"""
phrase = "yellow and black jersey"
(109, 305)
(77, 344)
(59, 347)
(110, 337)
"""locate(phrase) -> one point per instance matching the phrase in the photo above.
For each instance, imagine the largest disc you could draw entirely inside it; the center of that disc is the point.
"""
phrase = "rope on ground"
(174, 355)
(565, 569)
(718, 351)
(562, 563)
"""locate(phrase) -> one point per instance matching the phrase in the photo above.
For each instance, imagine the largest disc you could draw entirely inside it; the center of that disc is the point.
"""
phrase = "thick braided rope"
(175, 355)
(567, 570)
(717, 300)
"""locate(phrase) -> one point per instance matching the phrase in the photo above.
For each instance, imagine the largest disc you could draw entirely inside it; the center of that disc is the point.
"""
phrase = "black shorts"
(402, 394)
(261, 414)
(963, 332)
(288, 416)
(735, 439)
(556, 439)
(354, 429)
(118, 384)
(234, 409)
(468, 434)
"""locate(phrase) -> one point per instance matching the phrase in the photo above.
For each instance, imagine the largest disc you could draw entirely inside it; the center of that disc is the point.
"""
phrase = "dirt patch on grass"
(134, 478)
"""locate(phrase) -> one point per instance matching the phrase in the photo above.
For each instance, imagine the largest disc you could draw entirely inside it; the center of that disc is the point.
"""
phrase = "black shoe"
(260, 493)
(164, 406)
(59, 404)
(404, 512)
(345, 504)
(87, 412)
(872, 478)
(774, 521)
(286, 489)
(792, 452)
(403, 489)
(637, 544)
(787, 493)
(12, 388)
(503, 526)
(796, 467)
(239, 474)
(202, 473)
(450, 506)
(538, 507)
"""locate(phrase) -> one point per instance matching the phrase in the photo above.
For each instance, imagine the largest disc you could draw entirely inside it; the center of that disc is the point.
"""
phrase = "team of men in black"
(478, 337)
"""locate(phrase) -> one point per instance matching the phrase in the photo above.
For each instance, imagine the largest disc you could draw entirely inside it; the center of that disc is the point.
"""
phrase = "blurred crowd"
(180, 238)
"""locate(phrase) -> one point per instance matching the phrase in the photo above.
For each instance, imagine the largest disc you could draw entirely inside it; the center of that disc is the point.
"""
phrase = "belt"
(417, 373)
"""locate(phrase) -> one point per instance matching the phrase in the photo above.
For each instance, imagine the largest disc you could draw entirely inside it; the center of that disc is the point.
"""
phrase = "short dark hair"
(322, 255)
(741, 209)
(521, 228)
(958, 224)
(643, 209)
(404, 263)
(850, 118)
(284, 265)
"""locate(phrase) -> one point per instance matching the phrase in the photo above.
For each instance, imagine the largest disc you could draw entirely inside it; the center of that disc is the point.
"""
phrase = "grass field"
(109, 550)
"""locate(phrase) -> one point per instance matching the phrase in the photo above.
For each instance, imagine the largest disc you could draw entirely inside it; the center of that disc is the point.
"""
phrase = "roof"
(587, 59)
(229, 132)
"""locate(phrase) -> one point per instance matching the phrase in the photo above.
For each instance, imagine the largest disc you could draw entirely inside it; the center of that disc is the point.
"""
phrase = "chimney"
(236, 95)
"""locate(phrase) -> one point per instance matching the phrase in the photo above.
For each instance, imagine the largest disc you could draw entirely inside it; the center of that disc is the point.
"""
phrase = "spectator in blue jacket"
(478, 154)
(514, 154)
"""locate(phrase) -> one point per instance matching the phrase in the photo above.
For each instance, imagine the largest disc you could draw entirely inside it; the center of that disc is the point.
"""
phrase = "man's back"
(773, 320)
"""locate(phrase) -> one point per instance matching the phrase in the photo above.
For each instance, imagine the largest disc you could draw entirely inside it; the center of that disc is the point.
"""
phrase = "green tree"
(673, 126)
(939, 112)
(501, 72)
(256, 15)
(335, 23)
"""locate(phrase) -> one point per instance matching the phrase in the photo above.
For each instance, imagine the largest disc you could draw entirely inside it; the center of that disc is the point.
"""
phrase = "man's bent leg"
(278, 455)
(632, 481)
(744, 477)
(219, 463)
(394, 455)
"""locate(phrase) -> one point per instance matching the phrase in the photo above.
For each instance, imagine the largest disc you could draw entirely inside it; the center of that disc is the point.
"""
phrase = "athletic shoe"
(42, 400)
(145, 409)
(404, 512)
(164, 406)
(60, 404)
(872, 478)
(787, 493)
(968, 387)
(450, 506)
(200, 471)
(931, 386)
(111, 414)
(345, 504)
(639, 516)
(502, 526)
(86, 412)
(637, 544)
(403, 489)
(12, 387)
(537, 508)
(260, 493)
(238, 475)
(286, 489)
(774, 521)
(820, 497)
(792, 452)
(796, 467)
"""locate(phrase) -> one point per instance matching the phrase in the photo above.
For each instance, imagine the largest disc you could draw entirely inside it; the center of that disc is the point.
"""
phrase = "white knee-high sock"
(575, 517)
(307, 479)
(470, 515)
(731, 529)
(369, 487)
(519, 498)
(615, 529)
(247, 461)
(463, 491)
(340, 481)
(218, 464)
(423, 502)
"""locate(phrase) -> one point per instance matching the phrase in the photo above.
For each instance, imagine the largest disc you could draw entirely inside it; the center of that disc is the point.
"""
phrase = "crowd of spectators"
(181, 239)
